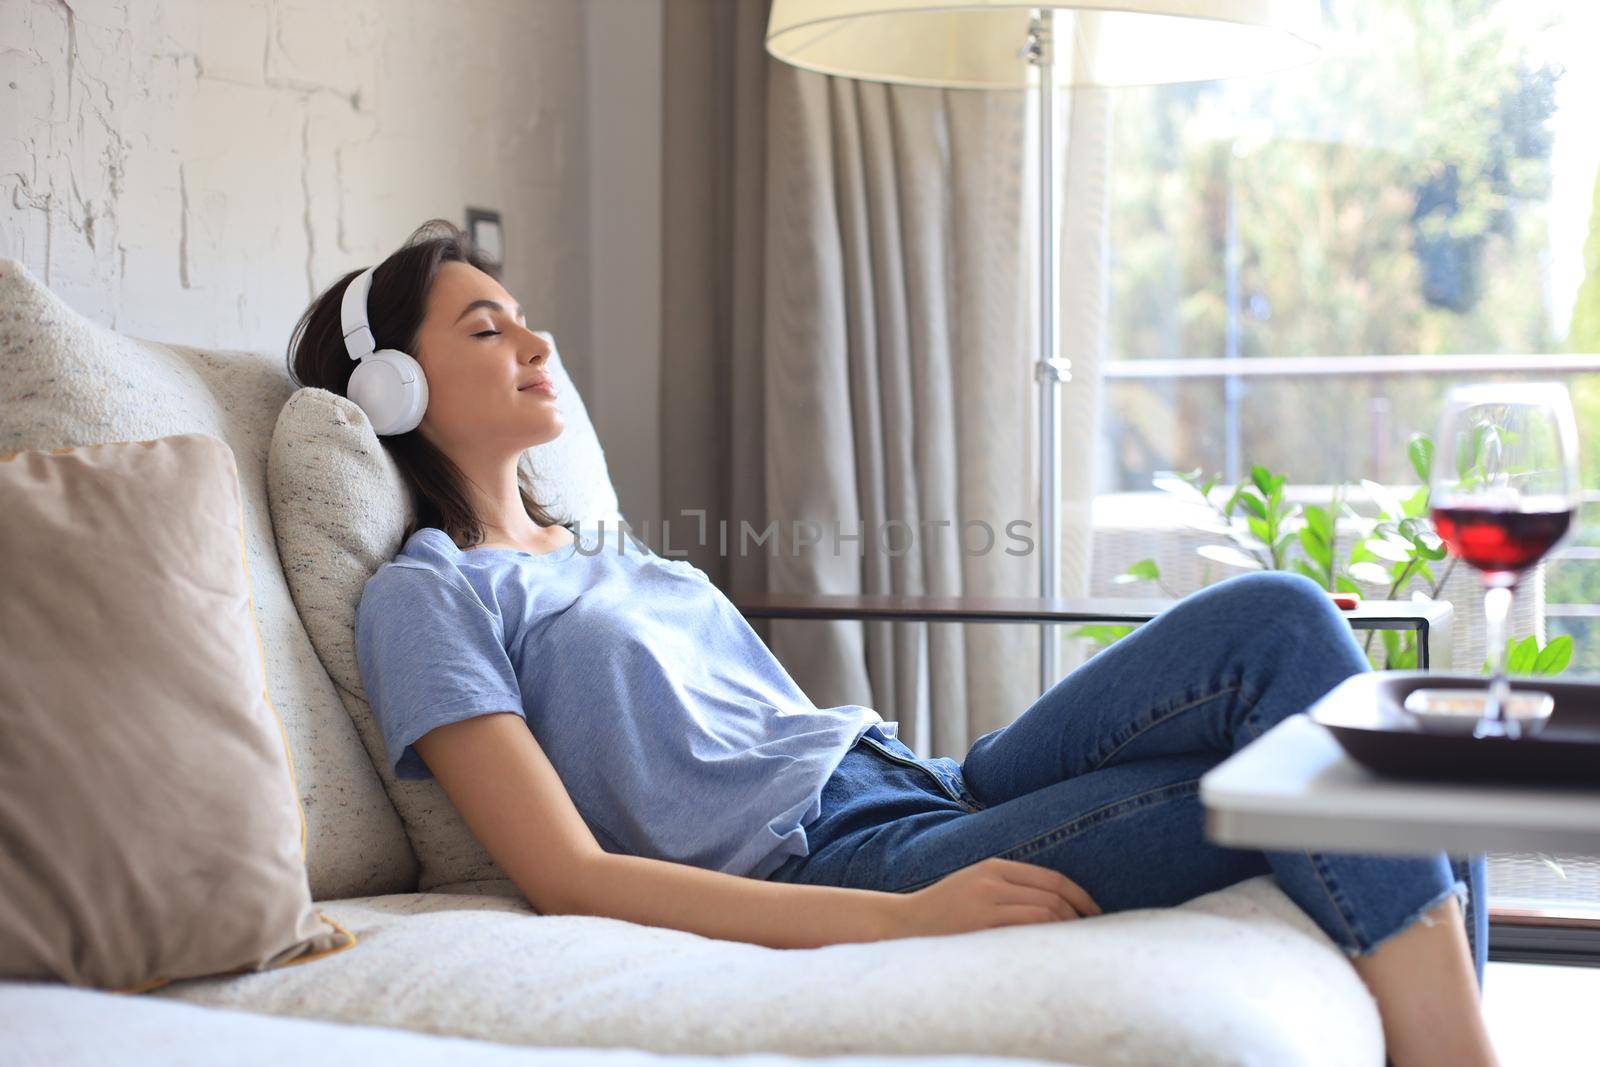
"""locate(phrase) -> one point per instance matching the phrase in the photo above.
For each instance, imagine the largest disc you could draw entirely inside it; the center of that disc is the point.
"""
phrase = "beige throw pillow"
(150, 828)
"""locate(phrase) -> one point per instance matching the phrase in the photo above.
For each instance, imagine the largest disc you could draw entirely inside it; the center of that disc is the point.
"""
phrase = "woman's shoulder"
(427, 552)
(428, 545)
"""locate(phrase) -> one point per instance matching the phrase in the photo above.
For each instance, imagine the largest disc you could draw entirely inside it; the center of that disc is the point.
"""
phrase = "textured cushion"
(1236, 977)
(65, 381)
(57, 1026)
(152, 826)
(340, 508)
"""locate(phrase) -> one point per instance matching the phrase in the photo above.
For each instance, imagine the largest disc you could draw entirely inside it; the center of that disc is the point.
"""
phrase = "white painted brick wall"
(195, 170)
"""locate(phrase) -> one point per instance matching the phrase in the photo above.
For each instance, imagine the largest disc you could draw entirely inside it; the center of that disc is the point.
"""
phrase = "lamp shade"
(978, 44)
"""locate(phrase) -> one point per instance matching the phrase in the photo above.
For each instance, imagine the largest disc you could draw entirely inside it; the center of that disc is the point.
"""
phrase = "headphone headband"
(358, 340)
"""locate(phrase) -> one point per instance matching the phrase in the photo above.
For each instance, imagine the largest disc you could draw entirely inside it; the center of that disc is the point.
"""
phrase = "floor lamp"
(995, 44)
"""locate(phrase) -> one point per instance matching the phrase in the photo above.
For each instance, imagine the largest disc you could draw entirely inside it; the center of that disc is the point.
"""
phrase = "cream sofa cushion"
(340, 509)
(65, 381)
(1237, 977)
(49, 1026)
(147, 800)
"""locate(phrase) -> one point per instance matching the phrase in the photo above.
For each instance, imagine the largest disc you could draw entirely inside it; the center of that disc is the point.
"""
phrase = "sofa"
(452, 964)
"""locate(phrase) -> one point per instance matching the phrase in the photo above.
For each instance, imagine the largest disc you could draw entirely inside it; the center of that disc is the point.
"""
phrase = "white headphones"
(387, 384)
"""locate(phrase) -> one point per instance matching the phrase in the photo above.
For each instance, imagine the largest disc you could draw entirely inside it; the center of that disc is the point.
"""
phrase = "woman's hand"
(991, 892)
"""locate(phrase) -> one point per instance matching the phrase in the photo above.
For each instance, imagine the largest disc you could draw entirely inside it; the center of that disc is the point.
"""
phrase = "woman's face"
(476, 350)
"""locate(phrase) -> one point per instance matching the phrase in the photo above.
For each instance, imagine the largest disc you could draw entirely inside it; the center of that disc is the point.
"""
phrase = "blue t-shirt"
(676, 732)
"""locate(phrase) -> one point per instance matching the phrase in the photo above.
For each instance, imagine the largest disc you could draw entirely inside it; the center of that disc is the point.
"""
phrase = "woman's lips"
(546, 386)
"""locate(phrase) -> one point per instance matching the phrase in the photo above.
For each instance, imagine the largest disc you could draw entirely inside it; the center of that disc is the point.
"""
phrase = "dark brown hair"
(395, 309)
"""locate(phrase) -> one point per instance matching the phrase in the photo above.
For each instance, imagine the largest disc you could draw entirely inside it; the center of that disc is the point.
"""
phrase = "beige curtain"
(849, 350)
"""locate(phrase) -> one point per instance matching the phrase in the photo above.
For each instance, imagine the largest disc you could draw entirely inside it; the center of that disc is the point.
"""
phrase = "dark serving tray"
(1365, 714)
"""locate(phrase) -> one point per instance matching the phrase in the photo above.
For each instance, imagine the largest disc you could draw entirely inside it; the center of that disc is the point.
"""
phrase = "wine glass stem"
(1497, 608)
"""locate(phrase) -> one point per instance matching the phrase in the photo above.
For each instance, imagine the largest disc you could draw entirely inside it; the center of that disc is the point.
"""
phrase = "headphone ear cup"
(390, 387)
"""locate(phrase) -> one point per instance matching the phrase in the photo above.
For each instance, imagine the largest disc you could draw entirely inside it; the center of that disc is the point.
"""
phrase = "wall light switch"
(483, 226)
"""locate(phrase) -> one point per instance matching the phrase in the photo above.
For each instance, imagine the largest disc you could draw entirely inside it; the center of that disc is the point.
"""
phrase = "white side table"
(1295, 788)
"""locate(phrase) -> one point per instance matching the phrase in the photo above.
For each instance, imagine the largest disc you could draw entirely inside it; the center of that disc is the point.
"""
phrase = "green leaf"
(1143, 571)
(1259, 528)
(1180, 487)
(1253, 504)
(1316, 548)
(1319, 520)
(1102, 634)
(1485, 440)
(1549, 861)
(1408, 660)
(1370, 573)
(1419, 449)
(1555, 656)
(1382, 496)
(1417, 503)
(1341, 584)
(1395, 551)
(1262, 479)
(1401, 653)
(1465, 454)
(1520, 655)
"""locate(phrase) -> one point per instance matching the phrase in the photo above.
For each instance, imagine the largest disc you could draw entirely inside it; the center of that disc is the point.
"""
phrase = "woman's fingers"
(1033, 896)
(1031, 874)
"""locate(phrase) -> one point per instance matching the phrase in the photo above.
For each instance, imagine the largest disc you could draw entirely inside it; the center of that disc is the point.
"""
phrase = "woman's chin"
(550, 431)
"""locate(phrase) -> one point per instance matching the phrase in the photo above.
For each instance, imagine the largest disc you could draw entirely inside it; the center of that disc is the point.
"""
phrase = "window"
(1302, 263)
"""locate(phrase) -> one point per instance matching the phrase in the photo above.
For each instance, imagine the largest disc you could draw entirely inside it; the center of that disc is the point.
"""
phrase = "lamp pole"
(1051, 369)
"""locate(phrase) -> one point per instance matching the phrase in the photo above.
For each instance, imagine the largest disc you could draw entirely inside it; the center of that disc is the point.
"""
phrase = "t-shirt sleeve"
(430, 654)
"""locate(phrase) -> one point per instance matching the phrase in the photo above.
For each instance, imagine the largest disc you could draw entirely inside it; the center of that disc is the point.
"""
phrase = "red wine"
(1500, 539)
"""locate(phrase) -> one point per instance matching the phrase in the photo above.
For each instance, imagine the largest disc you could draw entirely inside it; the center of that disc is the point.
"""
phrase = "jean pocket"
(948, 787)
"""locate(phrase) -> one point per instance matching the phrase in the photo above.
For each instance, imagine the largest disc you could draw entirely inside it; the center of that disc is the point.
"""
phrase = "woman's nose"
(539, 347)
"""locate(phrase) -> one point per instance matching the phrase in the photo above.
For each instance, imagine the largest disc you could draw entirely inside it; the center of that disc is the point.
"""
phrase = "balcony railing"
(1368, 367)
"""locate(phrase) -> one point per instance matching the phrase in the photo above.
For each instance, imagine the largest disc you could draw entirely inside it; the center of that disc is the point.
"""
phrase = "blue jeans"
(1099, 778)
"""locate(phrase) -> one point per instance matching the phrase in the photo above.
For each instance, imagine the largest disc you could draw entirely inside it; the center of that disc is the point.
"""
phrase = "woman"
(623, 744)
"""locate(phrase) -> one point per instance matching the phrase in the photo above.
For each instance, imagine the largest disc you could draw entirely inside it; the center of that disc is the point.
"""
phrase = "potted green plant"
(1390, 553)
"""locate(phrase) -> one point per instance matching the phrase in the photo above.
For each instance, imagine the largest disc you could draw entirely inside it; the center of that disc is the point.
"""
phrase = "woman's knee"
(1281, 614)
(1282, 600)
(1282, 589)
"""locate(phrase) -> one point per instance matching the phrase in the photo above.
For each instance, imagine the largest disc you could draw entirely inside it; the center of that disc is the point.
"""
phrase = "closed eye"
(487, 333)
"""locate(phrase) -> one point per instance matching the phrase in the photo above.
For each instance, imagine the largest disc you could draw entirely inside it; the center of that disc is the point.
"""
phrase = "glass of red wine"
(1503, 489)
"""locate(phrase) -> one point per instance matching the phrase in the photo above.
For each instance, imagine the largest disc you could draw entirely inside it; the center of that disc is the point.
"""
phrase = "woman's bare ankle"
(1426, 986)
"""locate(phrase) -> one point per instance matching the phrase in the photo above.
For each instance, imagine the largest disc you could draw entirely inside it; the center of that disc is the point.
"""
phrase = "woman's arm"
(734, 908)
(510, 796)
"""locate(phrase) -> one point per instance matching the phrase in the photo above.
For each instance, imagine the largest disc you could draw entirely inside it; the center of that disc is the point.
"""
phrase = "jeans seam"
(1060, 831)
(950, 792)
(1171, 713)
(1331, 889)
(1104, 813)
